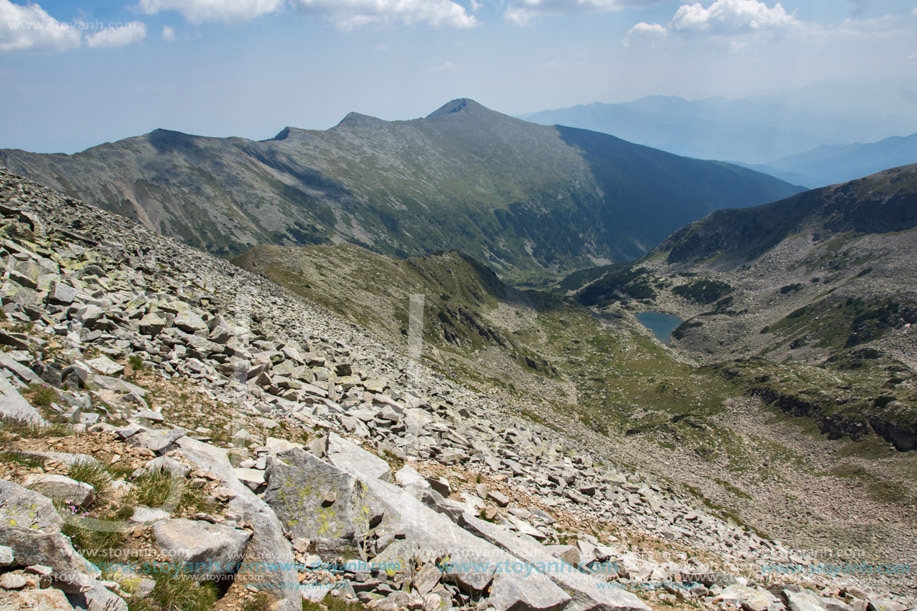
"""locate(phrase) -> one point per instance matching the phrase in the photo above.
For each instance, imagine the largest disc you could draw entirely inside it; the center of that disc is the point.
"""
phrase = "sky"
(78, 73)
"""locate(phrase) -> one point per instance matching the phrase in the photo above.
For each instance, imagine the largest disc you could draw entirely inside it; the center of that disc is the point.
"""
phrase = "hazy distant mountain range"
(531, 201)
(748, 130)
(828, 165)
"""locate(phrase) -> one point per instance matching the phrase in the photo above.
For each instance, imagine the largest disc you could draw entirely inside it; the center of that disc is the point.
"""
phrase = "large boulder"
(587, 593)
(275, 575)
(14, 407)
(205, 550)
(415, 529)
(318, 501)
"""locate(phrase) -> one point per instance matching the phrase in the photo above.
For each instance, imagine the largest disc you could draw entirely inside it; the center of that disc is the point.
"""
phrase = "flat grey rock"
(208, 549)
(60, 488)
(24, 373)
(354, 459)
(587, 595)
(14, 407)
(106, 366)
(50, 549)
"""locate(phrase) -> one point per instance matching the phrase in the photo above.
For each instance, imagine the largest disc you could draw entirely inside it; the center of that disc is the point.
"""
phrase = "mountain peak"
(460, 105)
(355, 119)
(281, 135)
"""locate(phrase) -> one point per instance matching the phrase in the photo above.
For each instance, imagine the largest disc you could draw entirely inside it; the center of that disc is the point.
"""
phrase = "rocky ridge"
(130, 359)
(528, 200)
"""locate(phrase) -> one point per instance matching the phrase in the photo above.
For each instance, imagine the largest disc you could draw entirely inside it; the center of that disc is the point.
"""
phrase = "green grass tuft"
(90, 473)
(176, 594)
(152, 489)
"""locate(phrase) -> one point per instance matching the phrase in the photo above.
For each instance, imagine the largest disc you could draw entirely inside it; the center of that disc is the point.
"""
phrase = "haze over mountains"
(528, 200)
(807, 147)
(832, 164)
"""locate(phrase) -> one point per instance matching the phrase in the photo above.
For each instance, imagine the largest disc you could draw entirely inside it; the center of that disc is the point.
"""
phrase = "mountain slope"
(881, 203)
(822, 282)
(207, 363)
(529, 200)
(750, 131)
(464, 306)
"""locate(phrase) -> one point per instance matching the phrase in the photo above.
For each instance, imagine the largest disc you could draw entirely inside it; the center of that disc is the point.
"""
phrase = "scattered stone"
(189, 322)
(62, 294)
(253, 478)
(13, 581)
(106, 366)
(498, 497)
(152, 324)
(6, 556)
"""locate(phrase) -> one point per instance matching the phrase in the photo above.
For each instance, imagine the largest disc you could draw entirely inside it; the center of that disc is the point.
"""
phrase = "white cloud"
(523, 12)
(118, 36)
(649, 32)
(168, 33)
(29, 27)
(199, 11)
(732, 17)
(350, 14)
(914, 12)
(449, 67)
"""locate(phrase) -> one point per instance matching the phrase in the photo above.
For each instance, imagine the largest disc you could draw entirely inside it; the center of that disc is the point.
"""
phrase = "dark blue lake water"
(660, 324)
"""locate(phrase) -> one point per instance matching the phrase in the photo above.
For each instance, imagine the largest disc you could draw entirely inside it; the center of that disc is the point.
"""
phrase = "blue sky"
(77, 73)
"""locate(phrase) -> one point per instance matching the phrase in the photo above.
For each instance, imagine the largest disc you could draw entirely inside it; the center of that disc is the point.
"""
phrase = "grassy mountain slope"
(531, 201)
(697, 427)
(479, 330)
(465, 304)
(808, 303)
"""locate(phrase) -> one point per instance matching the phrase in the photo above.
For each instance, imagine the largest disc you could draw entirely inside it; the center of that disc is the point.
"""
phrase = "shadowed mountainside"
(530, 201)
